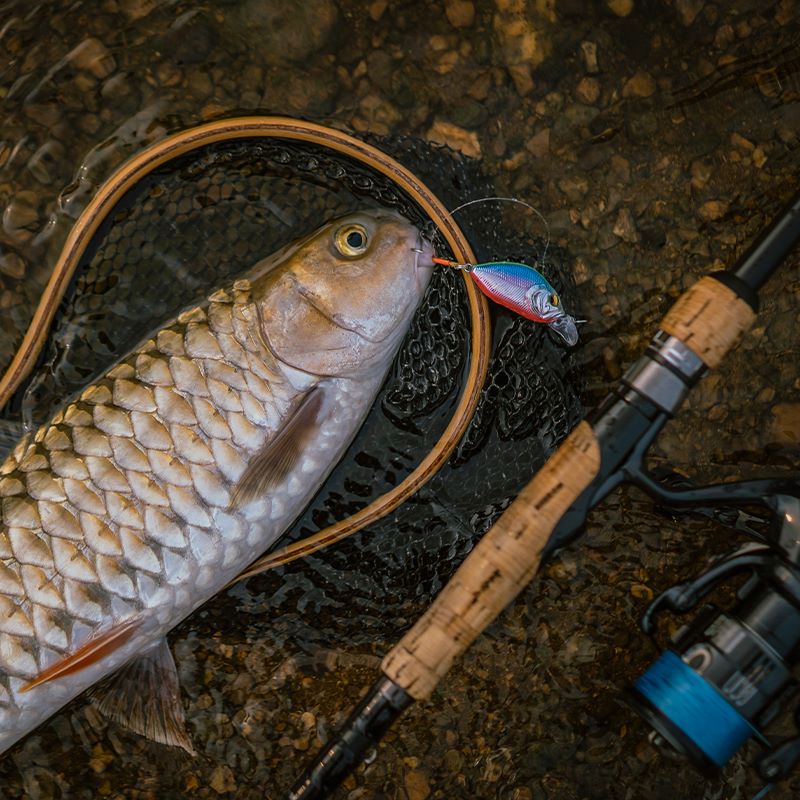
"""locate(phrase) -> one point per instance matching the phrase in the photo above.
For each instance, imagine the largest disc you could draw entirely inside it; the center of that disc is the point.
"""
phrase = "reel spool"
(727, 674)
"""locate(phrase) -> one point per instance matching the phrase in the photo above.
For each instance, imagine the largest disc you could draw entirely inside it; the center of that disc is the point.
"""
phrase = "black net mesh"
(213, 213)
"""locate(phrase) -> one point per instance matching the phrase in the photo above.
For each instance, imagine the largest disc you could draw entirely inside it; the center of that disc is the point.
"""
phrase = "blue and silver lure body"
(524, 290)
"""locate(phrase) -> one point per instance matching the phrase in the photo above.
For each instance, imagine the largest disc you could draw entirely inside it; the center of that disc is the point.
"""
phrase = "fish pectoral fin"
(88, 653)
(277, 457)
(144, 696)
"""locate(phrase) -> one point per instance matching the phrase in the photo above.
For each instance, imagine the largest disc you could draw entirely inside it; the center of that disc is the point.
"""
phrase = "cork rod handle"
(710, 319)
(496, 570)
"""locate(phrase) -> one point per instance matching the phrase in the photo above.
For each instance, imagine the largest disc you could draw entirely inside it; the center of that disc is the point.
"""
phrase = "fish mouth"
(423, 263)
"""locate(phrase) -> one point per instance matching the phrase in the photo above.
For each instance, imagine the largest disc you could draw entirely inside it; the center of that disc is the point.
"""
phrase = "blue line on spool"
(693, 705)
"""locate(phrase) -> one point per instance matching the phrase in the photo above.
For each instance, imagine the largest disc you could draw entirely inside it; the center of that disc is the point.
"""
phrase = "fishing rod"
(606, 449)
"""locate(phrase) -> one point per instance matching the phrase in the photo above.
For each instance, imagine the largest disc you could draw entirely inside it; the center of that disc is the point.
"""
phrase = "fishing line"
(516, 200)
(764, 792)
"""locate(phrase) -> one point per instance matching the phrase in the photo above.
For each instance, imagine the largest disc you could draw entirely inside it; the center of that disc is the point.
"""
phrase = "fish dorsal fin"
(144, 697)
(277, 457)
(87, 654)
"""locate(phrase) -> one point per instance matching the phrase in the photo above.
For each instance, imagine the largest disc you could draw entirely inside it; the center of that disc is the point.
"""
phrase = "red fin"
(89, 653)
(144, 696)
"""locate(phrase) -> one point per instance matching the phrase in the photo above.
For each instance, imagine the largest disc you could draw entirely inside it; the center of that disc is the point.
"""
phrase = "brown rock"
(713, 209)
(12, 265)
(786, 423)
(588, 90)
(45, 162)
(21, 213)
(574, 187)
(620, 7)
(785, 13)
(136, 9)
(743, 144)
(724, 36)
(377, 8)
(640, 85)
(539, 144)
(625, 226)
(522, 76)
(701, 174)
(464, 141)
(460, 13)
(417, 785)
(93, 56)
(620, 168)
(688, 10)
(589, 51)
(222, 781)
(46, 114)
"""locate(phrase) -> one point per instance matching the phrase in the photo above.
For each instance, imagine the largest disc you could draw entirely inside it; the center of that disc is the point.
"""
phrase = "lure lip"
(566, 328)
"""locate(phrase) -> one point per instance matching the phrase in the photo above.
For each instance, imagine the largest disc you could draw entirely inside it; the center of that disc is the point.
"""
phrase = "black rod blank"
(764, 256)
(363, 729)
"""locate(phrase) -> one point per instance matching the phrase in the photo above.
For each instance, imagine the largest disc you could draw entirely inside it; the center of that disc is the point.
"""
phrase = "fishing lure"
(522, 289)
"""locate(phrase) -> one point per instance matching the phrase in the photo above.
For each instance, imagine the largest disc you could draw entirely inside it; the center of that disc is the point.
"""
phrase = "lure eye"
(351, 240)
(554, 299)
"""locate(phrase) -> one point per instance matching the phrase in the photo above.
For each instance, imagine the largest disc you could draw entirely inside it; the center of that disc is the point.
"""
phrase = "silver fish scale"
(118, 508)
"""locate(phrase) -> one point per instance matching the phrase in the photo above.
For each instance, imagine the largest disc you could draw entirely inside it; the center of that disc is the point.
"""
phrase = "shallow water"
(656, 144)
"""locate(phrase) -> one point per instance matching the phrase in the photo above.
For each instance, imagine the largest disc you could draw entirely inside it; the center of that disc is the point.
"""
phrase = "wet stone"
(622, 8)
(380, 68)
(45, 163)
(588, 90)
(539, 144)
(190, 39)
(640, 85)
(464, 141)
(574, 187)
(625, 226)
(136, 9)
(12, 266)
(460, 13)
(468, 113)
(21, 213)
(713, 210)
(222, 780)
(688, 10)
(589, 52)
(312, 93)
(701, 173)
(376, 9)
(46, 114)
(93, 55)
(417, 786)
(786, 424)
(283, 32)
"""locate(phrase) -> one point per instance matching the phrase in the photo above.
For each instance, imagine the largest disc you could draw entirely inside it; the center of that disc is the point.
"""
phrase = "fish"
(524, 290)
(154, 487)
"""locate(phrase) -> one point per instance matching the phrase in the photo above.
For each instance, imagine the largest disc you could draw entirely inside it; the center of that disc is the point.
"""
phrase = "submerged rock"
(284, 32)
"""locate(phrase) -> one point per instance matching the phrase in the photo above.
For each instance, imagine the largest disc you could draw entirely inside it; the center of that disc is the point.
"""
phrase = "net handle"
(158, 154)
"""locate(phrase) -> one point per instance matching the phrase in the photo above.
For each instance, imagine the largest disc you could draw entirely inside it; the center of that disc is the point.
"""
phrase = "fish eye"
(351, 240)
(554, 299)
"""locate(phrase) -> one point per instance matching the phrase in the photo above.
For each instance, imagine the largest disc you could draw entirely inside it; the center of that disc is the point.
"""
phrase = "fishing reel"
(727, 674)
